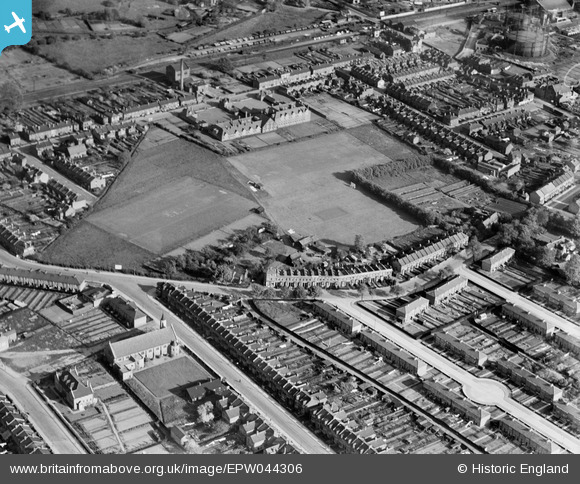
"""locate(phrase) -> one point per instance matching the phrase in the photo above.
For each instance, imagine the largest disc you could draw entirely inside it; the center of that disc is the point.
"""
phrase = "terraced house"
(339, 276)
(406, 263)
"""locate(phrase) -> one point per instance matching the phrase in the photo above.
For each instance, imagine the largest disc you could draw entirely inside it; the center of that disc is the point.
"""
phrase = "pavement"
(481, 390)
(142, 290)
(514, 298)
(50, 428)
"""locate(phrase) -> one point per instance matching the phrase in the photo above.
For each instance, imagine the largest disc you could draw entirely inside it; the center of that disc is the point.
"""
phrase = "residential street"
(481, 390)
(54, 433)
(142, 290)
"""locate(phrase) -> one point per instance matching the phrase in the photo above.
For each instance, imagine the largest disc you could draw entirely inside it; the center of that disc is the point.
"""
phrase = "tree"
(572, 269)
(10, 97)
(299, 293)
(205, 413)
(476, 248)
(224, 65)
(315, 291)
(359, 243)
(546, 257)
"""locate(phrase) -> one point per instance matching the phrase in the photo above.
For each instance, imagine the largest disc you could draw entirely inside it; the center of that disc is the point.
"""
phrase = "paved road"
(514, 298)
(481, 390)
(81, 192)
(54, 433)
(141, 290)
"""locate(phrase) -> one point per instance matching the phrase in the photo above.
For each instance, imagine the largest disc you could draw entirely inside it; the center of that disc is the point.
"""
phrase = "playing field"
(172, 376)
(308, 189)
(173, 214)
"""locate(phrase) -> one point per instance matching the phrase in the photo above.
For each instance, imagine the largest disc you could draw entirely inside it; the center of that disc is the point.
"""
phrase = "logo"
(15, 22)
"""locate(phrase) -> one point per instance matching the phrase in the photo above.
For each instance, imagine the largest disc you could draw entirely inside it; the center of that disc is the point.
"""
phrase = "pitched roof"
(143, 342)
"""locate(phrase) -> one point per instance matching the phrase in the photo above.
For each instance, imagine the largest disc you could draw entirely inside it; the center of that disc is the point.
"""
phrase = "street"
(481, 390)
(141, 291)
(54, 433)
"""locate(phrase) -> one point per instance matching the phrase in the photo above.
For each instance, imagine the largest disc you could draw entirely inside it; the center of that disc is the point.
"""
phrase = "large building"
(276, 116)
(41, 280)
(126, 312)
(131, 354)
(433, 251)
(446, 290)
(498, 260)
(531, 322)
(394, 354)
(78, 394)
(458, 403)
(14, 240)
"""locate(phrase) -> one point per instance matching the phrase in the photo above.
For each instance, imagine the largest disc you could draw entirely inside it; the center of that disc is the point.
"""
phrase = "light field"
(309, 189)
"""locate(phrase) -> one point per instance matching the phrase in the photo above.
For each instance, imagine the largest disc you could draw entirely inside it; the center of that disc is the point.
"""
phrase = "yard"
(307, 189)
(172, 376)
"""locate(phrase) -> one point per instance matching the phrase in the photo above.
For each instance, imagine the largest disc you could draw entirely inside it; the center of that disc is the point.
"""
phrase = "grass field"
(283, 18)
(96, 55)
(30, 72)
(127, 8)
(171, 193)
(89, 246)
(167, 217)
(387, 145)
(309, 192)
(172, 376)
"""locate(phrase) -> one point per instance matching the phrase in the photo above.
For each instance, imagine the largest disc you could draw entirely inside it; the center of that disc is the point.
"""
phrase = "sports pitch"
(308, 189)
(172, 215)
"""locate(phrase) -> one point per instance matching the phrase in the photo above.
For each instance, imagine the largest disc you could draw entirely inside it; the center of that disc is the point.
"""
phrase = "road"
(484, 391)
(141, 290)
(34, 161)
(54, 433)
(514, 298)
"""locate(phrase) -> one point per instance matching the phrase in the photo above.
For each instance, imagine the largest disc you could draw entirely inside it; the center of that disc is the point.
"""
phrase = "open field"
(89, 246)
(171, 193)
(30, 72)
(172, 215)
(309, 190)
(172, 376)
(283, 18)
(126, 8)
(96, 55)
(387, 145)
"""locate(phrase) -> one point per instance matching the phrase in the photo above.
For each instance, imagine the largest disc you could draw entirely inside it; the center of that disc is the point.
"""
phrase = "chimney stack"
(181, 77)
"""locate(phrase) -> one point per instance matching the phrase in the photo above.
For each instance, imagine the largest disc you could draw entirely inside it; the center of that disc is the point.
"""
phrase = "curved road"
(142, 290)
(482, 390)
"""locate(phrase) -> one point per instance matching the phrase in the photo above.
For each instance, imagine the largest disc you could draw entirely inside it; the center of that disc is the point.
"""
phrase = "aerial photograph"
(290, 227)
